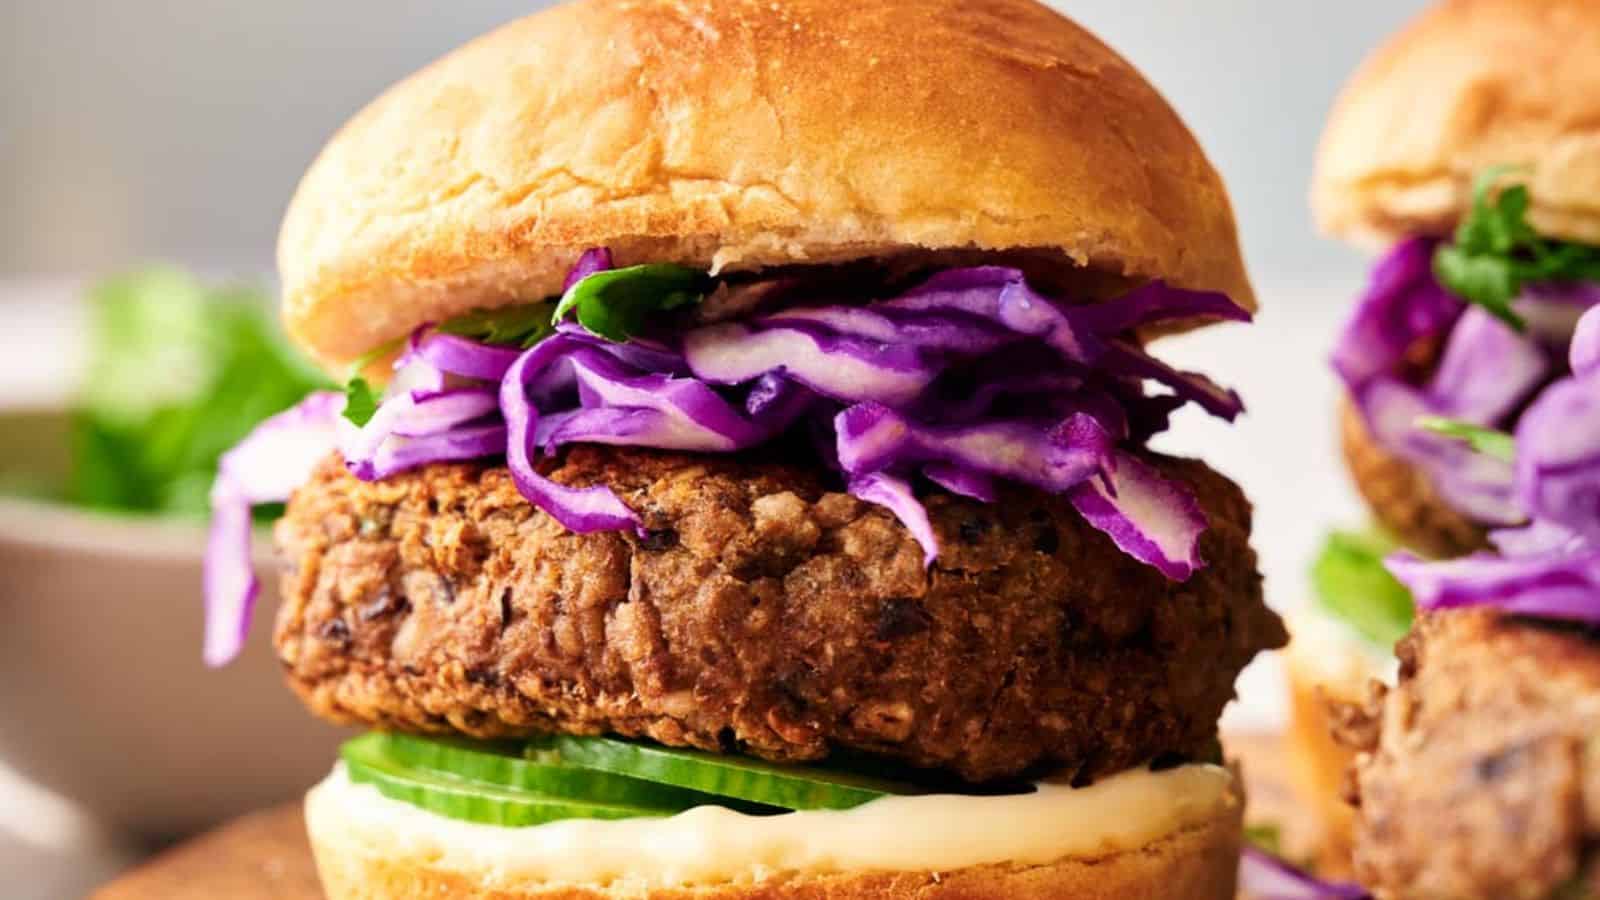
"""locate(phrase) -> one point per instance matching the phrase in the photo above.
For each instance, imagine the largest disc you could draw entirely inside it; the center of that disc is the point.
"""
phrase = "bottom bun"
(1326, 665)
(1318, 765)
(1195, 861)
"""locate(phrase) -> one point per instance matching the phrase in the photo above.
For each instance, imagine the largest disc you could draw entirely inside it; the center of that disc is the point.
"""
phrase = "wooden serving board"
(263, 855)
(266, 856)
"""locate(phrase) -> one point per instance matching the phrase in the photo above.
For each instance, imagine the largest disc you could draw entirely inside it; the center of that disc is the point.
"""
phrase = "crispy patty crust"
(1478, 775)
(762, 613)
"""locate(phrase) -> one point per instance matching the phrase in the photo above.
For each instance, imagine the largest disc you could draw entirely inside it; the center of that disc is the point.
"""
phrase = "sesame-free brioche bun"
(1317, 764)
(741, 134)
(1326, 664)
(1469, 85)
(1198, 861)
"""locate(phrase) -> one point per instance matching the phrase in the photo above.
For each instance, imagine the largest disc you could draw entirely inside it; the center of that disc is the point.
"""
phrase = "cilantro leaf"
(360, 401)
(615, 304)
(1496, 252)
(1352, 584)
(1488, 441)
(1488, 281)
(513, 326)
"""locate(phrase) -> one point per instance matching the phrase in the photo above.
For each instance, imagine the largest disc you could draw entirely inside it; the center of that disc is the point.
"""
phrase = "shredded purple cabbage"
(1263, 876)
(1152, 519)
(968, 380)
(1584, 354)
(596, 259)
(1404, 305)
(1487, 373)
(1481, 344)
(265, 467)
(894, 494)
(1550, 567)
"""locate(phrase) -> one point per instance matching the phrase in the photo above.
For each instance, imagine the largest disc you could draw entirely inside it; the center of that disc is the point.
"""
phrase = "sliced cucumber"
(772, 784)
(367, 763)
(502, 764)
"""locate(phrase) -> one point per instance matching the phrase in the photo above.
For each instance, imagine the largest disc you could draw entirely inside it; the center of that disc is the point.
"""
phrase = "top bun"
(1470, 85)
(738, 134)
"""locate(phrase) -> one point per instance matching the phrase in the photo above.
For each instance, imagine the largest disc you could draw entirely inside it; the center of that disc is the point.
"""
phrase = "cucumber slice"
(367, 763)
(772, 784)
(502, 764)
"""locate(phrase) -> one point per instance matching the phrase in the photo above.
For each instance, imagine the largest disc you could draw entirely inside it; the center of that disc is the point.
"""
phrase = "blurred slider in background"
(1471, 428)
(102, 507)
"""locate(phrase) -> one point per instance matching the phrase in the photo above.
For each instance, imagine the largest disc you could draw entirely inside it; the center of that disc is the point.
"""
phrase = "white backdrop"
(177, 128)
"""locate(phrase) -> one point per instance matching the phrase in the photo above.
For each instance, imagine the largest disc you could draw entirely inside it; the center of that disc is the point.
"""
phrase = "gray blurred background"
(176, 129)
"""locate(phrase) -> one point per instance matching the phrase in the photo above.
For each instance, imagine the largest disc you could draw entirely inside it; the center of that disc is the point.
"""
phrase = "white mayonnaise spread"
(712, 845)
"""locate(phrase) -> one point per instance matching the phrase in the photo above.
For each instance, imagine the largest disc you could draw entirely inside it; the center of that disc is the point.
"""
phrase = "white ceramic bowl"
(103, 697)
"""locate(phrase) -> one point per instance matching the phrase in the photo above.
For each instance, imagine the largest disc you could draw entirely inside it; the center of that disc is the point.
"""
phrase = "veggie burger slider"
(1468, 148)
(760, 504)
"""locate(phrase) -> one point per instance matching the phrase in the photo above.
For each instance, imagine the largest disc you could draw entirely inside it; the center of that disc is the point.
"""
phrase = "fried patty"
(1479, 773)
(1401, 496)
(762, 613)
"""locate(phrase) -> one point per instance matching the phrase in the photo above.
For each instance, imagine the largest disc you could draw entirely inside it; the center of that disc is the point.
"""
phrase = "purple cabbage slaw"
(1549, 566)
(970, 379)
(265, 467)
(1263, 876)
(1487, 372)
(1542, 384)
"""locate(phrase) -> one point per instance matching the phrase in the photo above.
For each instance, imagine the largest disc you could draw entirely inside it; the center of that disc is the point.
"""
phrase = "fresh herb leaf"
(514, 326)
(1488, 441)
(360, 401)
(1488, 281)
(1496, 252)
(613, 304)
(179, 372)
(616, 303)
(1352, 584)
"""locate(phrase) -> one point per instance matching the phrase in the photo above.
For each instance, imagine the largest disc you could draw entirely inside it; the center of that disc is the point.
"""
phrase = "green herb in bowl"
(180, 371)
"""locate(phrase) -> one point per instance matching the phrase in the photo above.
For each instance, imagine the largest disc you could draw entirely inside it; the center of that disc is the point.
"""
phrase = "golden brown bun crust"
(740, 134)
(1199, 863)
(1469, 85)
(1318, 763)
(1401, 497)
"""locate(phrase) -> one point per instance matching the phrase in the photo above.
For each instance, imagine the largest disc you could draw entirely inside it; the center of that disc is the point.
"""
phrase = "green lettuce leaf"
(1352, 585)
